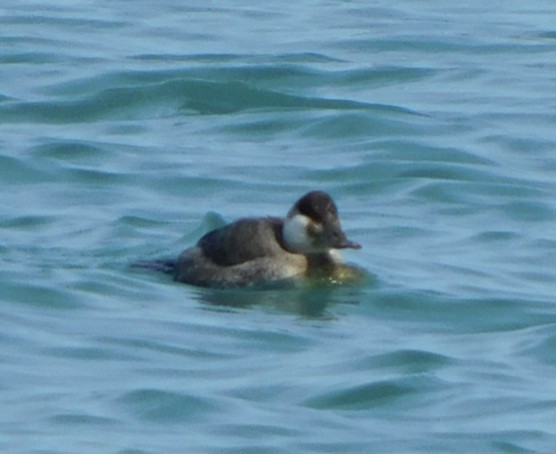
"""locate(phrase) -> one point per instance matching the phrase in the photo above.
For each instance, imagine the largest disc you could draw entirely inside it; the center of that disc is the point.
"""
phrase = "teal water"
(127, 128)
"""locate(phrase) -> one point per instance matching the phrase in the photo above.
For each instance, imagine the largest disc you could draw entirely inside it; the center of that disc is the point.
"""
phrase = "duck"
(266, 250)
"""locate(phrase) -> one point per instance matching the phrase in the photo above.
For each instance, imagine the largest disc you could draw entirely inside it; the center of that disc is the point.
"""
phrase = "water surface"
(127, 129)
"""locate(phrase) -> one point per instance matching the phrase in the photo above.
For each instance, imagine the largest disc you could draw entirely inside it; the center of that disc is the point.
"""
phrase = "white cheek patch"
(295, 233)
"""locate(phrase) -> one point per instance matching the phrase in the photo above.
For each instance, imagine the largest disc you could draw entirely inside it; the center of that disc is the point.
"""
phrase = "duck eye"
(314, 228)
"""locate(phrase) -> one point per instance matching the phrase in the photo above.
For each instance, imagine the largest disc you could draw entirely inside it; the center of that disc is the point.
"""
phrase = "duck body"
(262, 251)
(239, 254)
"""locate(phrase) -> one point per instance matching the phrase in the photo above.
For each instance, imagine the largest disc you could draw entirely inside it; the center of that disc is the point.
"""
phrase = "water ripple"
(375, 394)
(128, 131)
(164, 407)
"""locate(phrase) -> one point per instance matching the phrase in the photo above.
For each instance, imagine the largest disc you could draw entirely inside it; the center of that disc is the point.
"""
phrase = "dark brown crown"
(317, 205)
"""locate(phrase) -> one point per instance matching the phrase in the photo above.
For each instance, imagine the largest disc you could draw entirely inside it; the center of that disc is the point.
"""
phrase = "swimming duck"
(259, 251)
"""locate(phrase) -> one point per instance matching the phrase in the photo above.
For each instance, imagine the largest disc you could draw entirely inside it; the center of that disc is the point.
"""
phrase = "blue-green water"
(123, 125)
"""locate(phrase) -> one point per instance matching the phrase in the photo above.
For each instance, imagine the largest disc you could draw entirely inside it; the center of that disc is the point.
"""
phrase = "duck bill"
(347, 244)
(343, 243)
